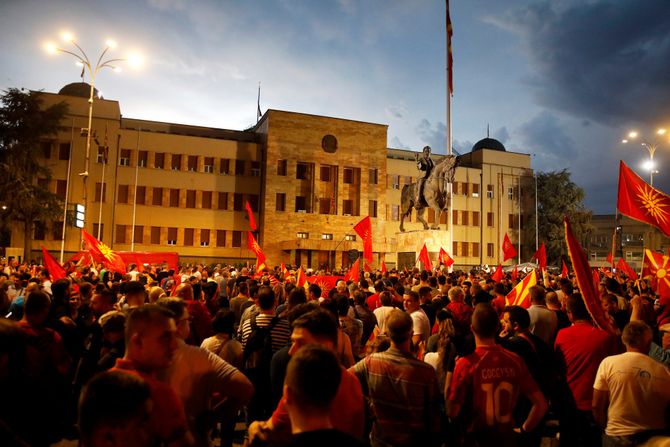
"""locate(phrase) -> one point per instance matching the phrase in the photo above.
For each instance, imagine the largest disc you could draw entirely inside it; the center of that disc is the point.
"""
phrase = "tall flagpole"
(67, 194)
(450, 190)
(137, 169)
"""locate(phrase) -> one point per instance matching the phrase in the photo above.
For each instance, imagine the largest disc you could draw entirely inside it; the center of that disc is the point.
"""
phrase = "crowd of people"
(400, 358)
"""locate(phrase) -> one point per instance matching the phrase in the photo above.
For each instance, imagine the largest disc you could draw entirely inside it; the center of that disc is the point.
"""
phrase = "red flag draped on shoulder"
(520, 294)
(364, 230)
(102, 253)
(625, 268)
(250, 212)
(354, 272)
(425, 259)
(498, 275)
(587, 287)
(253, 246)
(657, 267)
(541, 257)
(56, 270)
(508, 249)
(642, 202)
(445, 259)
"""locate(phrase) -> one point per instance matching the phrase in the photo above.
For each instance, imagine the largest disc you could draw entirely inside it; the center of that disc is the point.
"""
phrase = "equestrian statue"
(430, 191)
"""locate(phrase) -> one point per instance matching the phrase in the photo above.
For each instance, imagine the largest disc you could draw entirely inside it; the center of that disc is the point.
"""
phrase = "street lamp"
(651, 148)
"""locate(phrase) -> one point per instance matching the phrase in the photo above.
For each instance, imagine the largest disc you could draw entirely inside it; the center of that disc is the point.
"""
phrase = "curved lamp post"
(651, 148)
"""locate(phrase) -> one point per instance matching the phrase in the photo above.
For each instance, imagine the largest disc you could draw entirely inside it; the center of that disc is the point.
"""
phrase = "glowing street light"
(651, 148)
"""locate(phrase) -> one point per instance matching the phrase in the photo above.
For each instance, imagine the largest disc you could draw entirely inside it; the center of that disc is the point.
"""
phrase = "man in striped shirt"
(281, 332)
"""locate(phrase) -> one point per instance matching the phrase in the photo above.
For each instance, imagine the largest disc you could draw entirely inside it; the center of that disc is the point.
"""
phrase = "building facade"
(309, 179)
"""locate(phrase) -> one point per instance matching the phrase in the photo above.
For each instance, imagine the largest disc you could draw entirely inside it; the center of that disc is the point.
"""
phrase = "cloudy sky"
(563, 80)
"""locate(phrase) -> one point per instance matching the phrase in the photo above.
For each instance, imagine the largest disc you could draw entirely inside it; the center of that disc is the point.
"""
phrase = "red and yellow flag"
(250, 212)
(508, 249)
(657, 267)
(354, 272)
(445, 259)
(253, 246)
(642, 202)
(520, 295)
(425, 259)
(284, 270)
(364, 230)
(301, 278)
(326, 282)
(102, 253)
(56, 270)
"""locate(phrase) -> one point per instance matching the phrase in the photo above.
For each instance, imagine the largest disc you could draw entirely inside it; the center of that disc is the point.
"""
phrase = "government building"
(308, 179)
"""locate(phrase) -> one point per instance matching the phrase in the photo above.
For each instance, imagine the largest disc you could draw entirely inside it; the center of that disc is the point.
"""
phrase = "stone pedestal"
(410, 243)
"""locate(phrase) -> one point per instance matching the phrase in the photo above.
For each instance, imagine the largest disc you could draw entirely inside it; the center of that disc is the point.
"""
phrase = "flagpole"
(537, 247)
(67, 193)
(137, 169)
(518, 242)
(450, 189)
(105, 154)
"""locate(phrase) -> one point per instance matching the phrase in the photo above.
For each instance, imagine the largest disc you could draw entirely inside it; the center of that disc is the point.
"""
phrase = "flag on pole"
(384, 267)
(425, 259)
(284, 270)
(253, 246)
(508, 249)
(366, 267)
(450, 57)
(585, 280)
(520, 294)
(300, 279)
(498, 274)
(610, 258)
(102, 253)
(657, 267)
(564, 270)
(445, 259)
(515, 273)
(354, 272)
(625, 268)
(250, 212)
(56, 270)
(364, 230)
(642, 202)
(541, 256)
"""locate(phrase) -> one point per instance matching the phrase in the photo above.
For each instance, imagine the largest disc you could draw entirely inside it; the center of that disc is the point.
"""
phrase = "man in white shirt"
(421, 324)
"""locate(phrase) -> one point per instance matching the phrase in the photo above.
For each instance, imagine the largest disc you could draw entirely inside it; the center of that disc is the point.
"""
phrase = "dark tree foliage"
(558, 197)
(24, 123)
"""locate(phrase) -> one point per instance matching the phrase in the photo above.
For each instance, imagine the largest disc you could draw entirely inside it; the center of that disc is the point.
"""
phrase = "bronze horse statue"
(434, 193)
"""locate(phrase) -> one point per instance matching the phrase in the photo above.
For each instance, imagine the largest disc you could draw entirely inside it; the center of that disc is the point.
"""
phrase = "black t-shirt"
(324, 438)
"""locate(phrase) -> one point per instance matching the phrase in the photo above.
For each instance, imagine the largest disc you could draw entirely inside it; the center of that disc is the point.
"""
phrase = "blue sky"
(563, 80)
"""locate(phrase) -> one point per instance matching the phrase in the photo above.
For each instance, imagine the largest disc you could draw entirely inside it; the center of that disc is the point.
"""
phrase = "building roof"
(79, 89)
(488, 143)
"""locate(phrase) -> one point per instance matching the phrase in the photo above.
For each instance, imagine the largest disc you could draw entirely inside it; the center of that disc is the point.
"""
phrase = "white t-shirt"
(639, 392)
(381, 313)
(421, 324)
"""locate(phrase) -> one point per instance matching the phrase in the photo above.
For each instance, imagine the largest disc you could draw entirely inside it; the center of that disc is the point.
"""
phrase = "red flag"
(326, 282)
(56, 270)
(176, 280)
(520, 294)
(508, 249)
(609, 259)
(253, 246)
(354, 272)
(498, 275)
(364, 230)
(284, 270)
(102, 253)
(515, 273)
(589, 290)
(541, 256)
(625, 268)
(250, 212)
(384, 267)
(301, 279)
(450, 55)
(657, 267)
(425, 259)
(445, 259)
(642, 202)
(564, 270)
(366, 267)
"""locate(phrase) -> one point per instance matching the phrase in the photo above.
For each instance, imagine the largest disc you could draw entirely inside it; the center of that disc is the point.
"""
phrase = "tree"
(24, 124)
(558, 197)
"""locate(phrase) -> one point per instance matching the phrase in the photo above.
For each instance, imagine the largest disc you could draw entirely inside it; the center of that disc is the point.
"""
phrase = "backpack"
(258, 349)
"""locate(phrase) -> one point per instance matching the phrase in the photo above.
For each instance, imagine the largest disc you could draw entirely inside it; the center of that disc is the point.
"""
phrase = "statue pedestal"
(410, 243)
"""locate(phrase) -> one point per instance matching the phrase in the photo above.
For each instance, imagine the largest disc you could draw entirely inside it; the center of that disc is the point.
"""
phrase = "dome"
(79, 89)
(488, 143)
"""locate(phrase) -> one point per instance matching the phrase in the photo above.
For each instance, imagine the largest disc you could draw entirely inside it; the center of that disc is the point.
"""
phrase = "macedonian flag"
(364, 230)
(253, 246)
(102, 253)
(520, 295)
(642, 202)
(656, 267)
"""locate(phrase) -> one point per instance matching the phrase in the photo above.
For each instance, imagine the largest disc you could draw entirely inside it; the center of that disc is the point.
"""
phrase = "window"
(327, 236)
(209, 165)
(475, 190)
(188, 236)
(159, 161)
(324, 205)
(302, 235)
(465, 218)
(204, 238)
(475, 218)
(253, 201)
(175, 165)
(393, 181)
(207, 200)
(325, 173)
(223, 201)
(192, 163)
(237, 238)
(465, 187)
(45, 147)
(431, 215)
(455, 214)
(174, 197)
(455, 249)
(100, 190)
(238, 202)
(224, 166)
(61, 187)
(102, 155)
(38, 230)
(138, 237)
(280, 201)
(120, 234)
(220, 238)
(489, 250)
(122, 196)
(347, 207)
(141, 195)
(142, 159)
(282, 167)
(407, 180)
(510, 193)
(350, 237)
(157, 197)
(489, 191)
(255, 169)
(301, 171)
(64, 151)
(239, 167)
(475, 249)
(348, 174)
(156, 235)
(489, 219)
(456, 187)
(395, 212)
(300, 204)
(373, 176)
(190, 198)
(172, 236)
(513, 221)
(124, 157)
(372, 208)
(102, 231)
(57, 230)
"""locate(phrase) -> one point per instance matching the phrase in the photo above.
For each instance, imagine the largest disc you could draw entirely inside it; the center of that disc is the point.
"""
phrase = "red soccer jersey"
(487, 384)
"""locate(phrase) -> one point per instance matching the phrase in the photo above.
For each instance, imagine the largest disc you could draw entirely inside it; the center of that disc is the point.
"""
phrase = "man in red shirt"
(486, 385)
(579, 350)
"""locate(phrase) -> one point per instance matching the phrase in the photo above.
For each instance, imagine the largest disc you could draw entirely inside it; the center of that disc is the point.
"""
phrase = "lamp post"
(651, 148)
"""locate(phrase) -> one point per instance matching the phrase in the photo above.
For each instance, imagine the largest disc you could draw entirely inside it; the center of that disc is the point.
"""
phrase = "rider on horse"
(425, 163)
